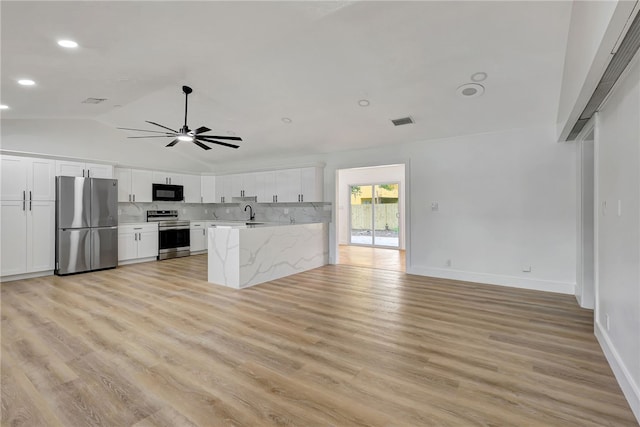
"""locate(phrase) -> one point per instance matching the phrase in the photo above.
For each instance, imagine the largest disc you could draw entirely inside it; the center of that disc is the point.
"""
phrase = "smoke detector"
(470, 90)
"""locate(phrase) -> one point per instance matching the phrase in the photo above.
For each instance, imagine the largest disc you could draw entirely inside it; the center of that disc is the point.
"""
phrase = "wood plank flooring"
(154, 344)
(367, 256)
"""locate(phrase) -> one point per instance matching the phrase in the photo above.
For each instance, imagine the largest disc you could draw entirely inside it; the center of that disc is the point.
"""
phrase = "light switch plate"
(435, 207)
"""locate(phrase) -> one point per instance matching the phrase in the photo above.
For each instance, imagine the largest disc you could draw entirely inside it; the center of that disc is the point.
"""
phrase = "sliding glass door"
(375, 219)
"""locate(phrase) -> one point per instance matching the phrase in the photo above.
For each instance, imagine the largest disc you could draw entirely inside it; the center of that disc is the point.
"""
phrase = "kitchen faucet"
(252, 216)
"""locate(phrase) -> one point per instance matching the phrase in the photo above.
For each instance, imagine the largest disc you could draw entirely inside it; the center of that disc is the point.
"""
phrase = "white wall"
(369, 175)
(593, 32)
(617, 155)
(506, 201)
(92, 140)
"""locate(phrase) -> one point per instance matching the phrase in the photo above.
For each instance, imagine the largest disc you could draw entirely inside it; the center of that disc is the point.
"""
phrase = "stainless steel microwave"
(167, 193)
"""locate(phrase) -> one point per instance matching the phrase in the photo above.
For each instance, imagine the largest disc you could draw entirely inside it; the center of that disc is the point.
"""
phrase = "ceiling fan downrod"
(187, 90)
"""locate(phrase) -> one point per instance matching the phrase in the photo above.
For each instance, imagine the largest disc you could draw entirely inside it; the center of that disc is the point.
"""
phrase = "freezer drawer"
(73, 251)
(104, 247)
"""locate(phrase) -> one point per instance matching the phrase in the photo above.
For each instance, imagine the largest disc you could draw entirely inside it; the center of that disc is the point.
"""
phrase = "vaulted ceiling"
(251, 64)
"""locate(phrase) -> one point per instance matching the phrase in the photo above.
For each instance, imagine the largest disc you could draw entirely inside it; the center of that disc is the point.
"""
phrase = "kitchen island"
(245, 255)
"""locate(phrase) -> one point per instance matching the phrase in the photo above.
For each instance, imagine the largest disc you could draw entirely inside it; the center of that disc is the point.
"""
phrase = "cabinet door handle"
(203, 233)
(139, 236)
(135, 237)
(87, 173)
(30, 201)
(129, 197)
(24, 200)
(134, 197)
(302, 197)
(201, 199)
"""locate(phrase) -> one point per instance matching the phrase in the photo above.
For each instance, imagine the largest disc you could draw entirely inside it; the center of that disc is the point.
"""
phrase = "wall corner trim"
(630, 389)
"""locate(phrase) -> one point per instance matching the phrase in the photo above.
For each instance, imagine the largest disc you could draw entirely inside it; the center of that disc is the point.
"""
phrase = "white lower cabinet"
(28, 237)
(198, 236)
(137, 242)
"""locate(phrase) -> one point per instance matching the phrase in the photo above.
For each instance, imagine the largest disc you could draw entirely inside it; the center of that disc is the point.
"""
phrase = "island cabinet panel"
(208, 189)
(241, 256)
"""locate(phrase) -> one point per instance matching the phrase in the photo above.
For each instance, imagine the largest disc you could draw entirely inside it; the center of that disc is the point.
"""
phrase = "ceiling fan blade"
(172, 143)
(217, 142)
(231, 138)
(201, 129)
(201, 145)
(154, 123)
(153, 136)
(145, 130)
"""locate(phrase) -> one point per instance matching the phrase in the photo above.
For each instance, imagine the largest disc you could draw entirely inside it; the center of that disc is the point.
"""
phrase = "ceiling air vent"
(402, 121)
(94, 100)
(628, 48)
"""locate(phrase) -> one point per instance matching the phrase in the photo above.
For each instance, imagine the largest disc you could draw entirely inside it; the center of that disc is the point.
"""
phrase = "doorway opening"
(370, 217)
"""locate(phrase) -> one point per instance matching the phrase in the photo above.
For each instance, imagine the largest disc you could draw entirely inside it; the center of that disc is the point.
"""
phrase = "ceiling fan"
(185, 134)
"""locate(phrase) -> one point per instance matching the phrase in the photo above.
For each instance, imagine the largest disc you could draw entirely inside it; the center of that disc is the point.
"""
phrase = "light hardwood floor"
(367, 256)
(154, 344)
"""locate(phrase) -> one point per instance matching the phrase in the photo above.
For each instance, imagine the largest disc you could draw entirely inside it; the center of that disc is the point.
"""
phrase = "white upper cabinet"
(287, 185)
(134, 185)
(82, 169)
(27, 178)
(266, 186)
(312, 184)
(167, 178)
(192, 191)
(243, 185)
(208, 189)
(224, 188)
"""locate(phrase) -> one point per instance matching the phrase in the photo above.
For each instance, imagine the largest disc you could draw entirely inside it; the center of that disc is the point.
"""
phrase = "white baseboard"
(630, 389)
(568, 288)
(135, 261)
(26, 276)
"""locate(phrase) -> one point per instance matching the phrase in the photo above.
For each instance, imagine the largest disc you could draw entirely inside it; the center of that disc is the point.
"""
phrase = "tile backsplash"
(267, 212)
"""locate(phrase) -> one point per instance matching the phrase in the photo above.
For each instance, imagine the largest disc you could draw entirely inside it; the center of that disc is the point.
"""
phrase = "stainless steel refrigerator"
(86, 224)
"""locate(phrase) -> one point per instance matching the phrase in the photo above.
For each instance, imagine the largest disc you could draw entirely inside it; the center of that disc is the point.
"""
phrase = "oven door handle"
(186, 227)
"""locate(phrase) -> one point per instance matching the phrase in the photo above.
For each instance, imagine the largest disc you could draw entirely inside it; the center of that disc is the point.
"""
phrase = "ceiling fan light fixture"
(70, 44)
(185, 138)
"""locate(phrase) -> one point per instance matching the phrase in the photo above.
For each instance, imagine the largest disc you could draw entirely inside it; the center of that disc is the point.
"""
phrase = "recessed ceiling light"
(364, 103)
(470, 90)
(4, 107)
(479, 76)
(286, 120)
(67, 43)
(26, 82)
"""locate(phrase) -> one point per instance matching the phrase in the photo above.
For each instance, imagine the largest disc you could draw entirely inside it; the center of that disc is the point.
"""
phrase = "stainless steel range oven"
(173, 234)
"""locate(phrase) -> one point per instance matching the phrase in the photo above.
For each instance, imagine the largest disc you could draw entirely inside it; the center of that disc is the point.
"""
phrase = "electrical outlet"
(435, 207)
(448, 263)
(526, 269)
(206, 211)
(119, 211)
(227, 210)
(184, 211)
(286, 211)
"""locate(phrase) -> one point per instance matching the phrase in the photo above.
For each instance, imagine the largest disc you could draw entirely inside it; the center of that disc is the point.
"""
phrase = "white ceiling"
(253, 63)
